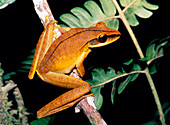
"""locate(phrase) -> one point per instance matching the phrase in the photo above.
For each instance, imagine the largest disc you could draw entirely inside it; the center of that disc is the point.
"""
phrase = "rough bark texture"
(90, 111)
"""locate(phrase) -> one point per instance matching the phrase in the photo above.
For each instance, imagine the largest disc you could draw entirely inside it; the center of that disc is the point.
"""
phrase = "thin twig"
(123, 18)
(117, 77)
(124, 10)
(109, 18)
(150, 61)
(128, 6)
(156, 97)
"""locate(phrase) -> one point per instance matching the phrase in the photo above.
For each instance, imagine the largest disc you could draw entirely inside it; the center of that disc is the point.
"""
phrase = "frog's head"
(104, 35)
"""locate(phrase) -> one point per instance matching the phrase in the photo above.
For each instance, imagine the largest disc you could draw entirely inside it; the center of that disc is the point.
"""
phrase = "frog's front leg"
(79, 91)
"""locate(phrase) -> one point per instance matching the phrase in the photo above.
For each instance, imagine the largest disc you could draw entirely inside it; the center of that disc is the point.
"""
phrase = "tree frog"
(53, 60)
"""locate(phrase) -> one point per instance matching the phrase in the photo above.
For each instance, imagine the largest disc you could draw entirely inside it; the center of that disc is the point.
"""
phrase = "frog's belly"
(62, 69)
(64, 65)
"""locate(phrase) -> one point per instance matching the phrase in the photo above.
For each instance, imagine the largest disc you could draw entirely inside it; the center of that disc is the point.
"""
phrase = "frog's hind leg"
(43, 44)
(79, 90)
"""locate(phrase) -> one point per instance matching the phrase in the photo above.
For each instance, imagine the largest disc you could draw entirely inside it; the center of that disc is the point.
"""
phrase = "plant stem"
(156, 97)
(117, 77)
(122, 16)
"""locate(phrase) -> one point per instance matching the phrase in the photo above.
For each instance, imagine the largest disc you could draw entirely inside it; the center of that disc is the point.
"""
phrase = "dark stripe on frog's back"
(72, 35)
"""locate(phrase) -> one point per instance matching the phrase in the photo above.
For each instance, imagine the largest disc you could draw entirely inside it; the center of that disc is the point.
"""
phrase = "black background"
(20, 30)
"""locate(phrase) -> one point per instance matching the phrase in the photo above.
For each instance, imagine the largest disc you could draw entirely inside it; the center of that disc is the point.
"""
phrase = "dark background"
(20, 30)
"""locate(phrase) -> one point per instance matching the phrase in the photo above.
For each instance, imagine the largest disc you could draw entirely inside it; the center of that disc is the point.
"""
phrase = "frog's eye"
(102, 38)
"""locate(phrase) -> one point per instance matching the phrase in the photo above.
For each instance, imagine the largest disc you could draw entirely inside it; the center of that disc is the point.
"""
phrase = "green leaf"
(151, 52)
(153, 69)
(148, 5)
(70, 20)
(94, 10)
(128, 62)
(108, 7)
(92, 14)
(26, 67)
(159, 49)
(110, 73)
(100, 76)
(29, 62)
(154, 50)
(143, 59)
(112, 23)
(33, 51)
(84, 16)
(5, 3)
(121, 72)
(98, 97)
(42, 121)
(129, 79)
(123, 85)
(140, 8)
(136, 67)
(23, 70)
(113, 91)
(30, 57)
(8, 75)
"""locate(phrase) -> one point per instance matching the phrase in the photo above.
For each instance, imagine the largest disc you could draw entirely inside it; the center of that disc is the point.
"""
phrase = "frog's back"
(64, 52)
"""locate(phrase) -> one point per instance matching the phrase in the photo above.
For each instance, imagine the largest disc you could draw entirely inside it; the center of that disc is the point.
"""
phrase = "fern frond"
(83, 18)
(140, 8)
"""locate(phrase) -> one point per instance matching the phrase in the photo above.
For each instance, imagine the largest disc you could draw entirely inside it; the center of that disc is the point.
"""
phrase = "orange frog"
(54, 59)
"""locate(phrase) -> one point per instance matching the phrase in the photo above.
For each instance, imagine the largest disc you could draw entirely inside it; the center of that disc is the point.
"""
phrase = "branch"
(90, 110)
(157, 57)
(42, 9)
(127, 7)
(88, 107)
